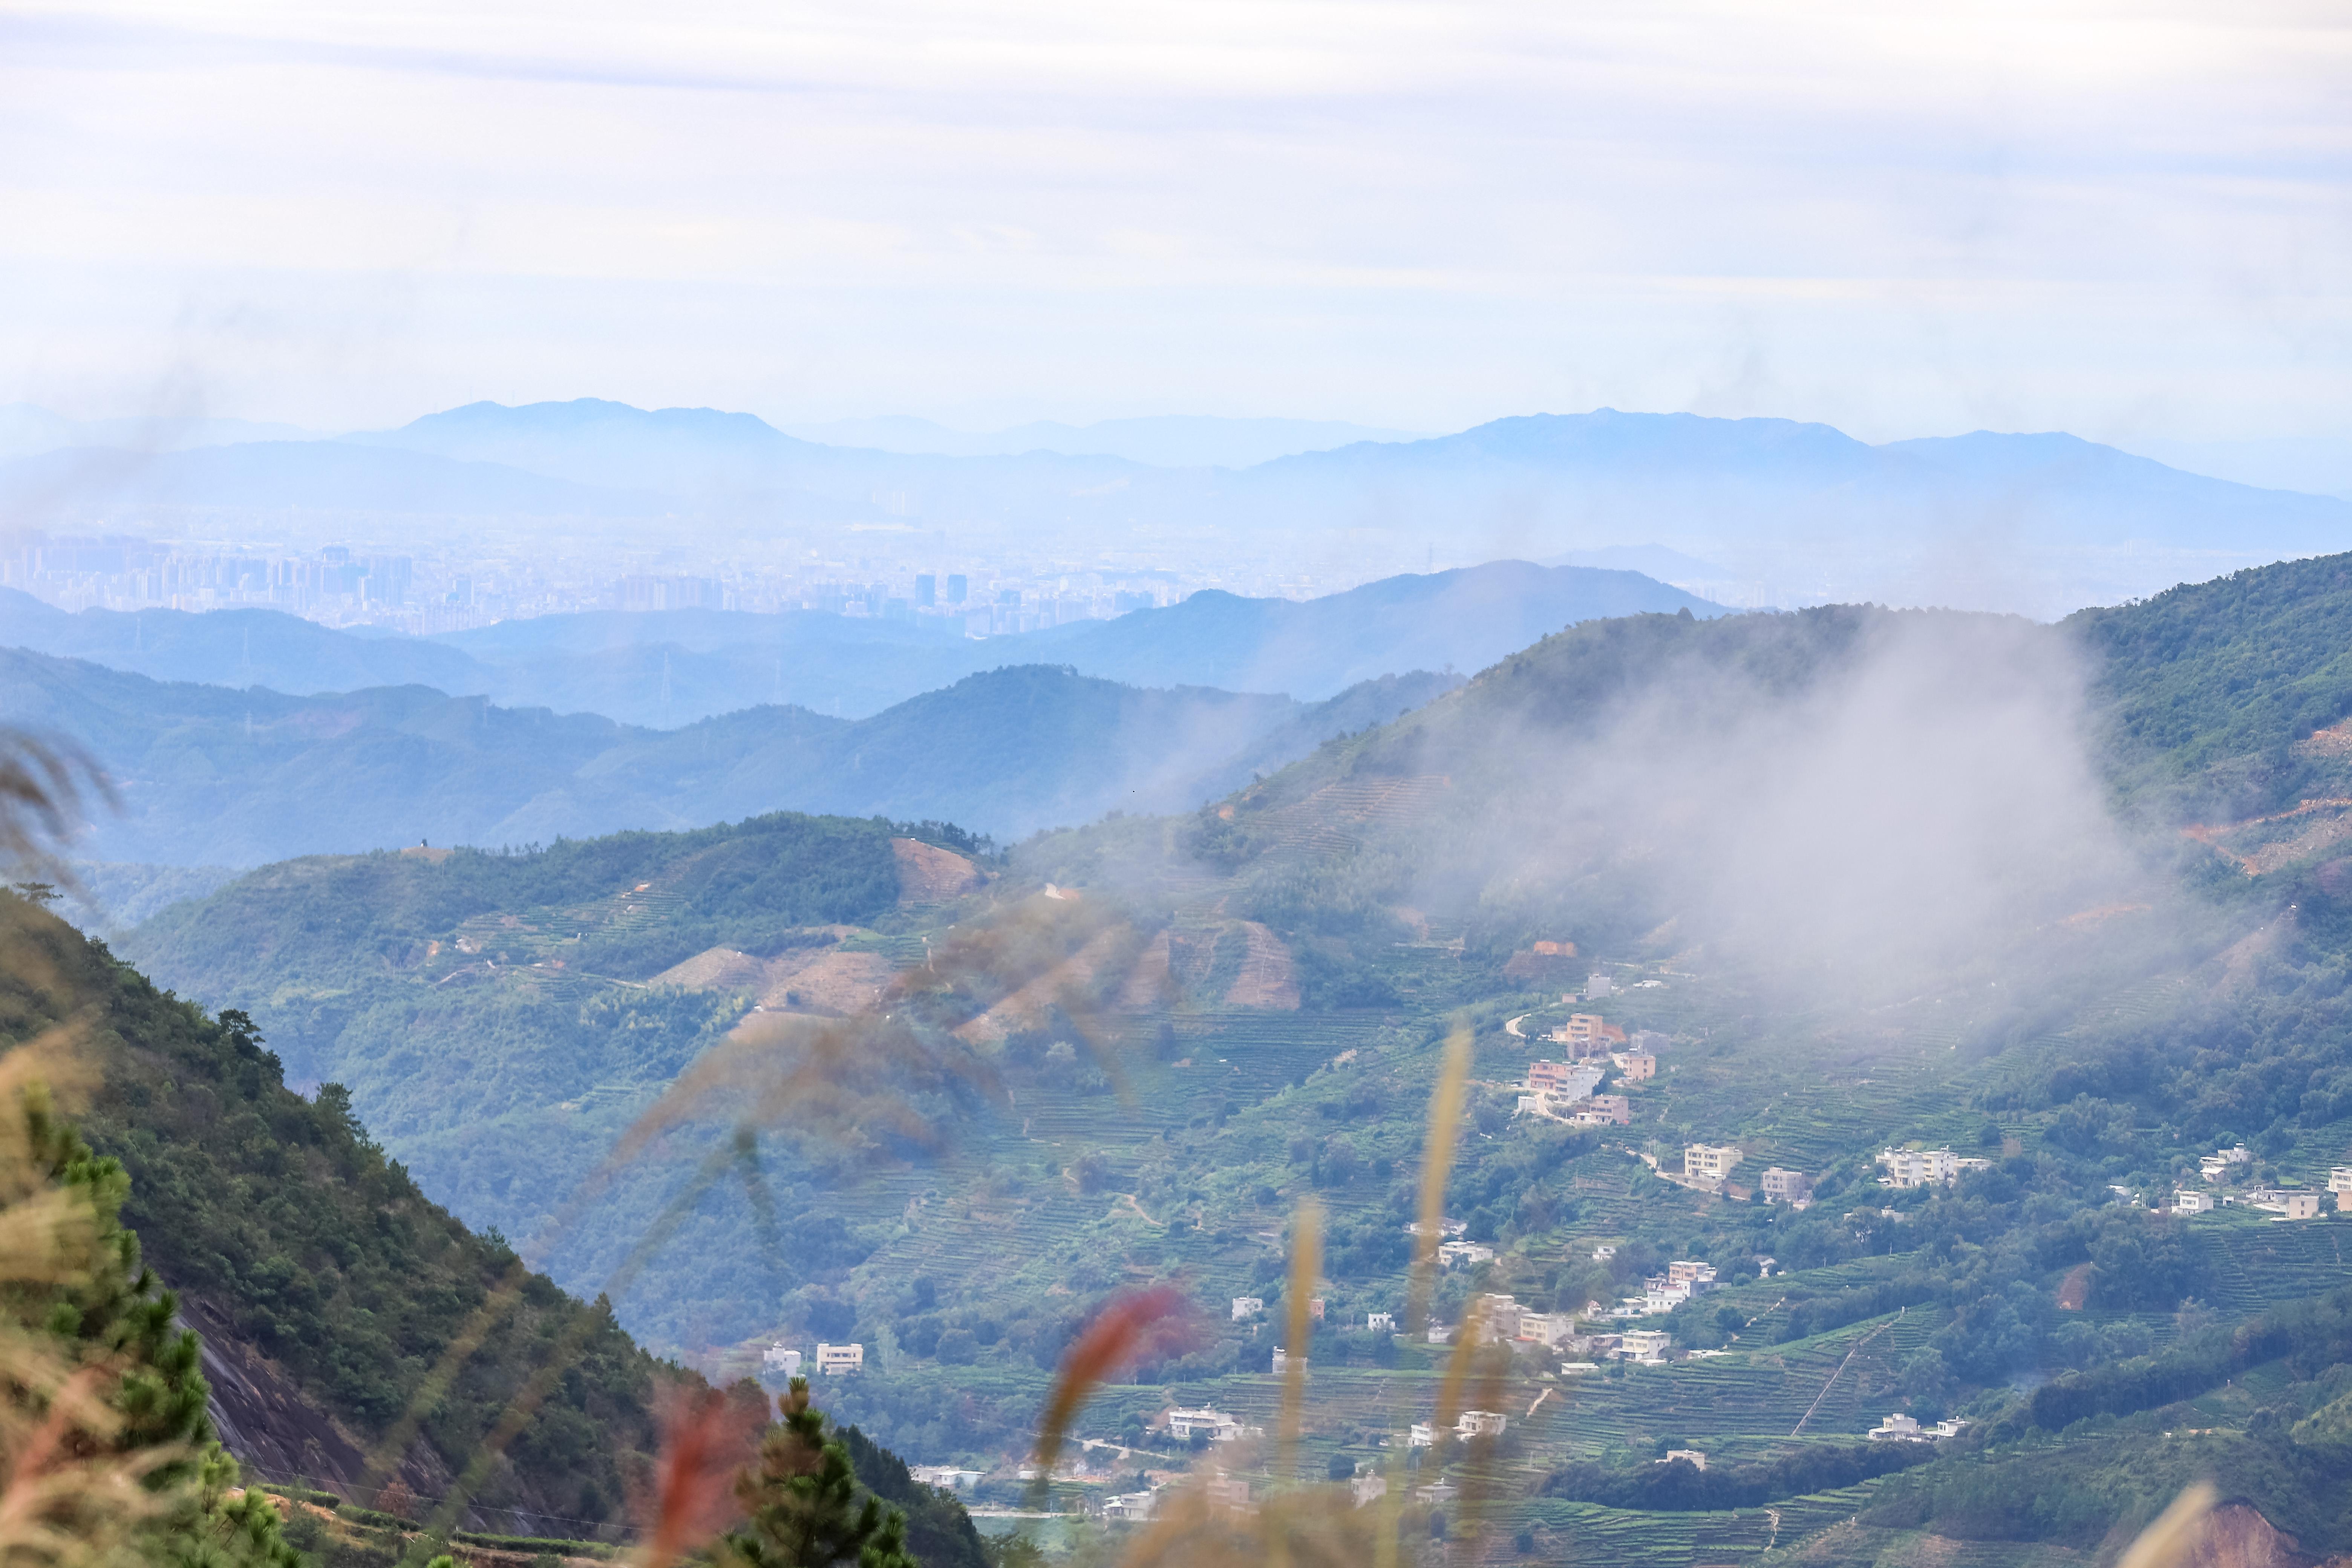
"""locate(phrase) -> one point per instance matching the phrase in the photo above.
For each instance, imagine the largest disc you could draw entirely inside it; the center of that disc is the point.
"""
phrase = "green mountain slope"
(492, 1017)
(304, 1251)
(326, 1286)
(2209, 690)
(1464, 619)
(1852, 873)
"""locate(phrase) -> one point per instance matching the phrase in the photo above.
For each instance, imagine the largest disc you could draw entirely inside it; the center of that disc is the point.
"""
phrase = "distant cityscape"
(425, 593)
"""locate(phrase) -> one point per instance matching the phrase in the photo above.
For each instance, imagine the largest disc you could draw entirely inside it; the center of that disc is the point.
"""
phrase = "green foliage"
(242, 1531)
(802, 1502)
(2312, 1335)
(536, 1544)
(468, 1004)
(939, 1533)
(2203, 689)
(329, 923)
(119, 1311)
(1679, 1486)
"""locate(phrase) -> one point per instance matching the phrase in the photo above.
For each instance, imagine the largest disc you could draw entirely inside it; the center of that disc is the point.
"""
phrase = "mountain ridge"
(210, 775)
(665, 668)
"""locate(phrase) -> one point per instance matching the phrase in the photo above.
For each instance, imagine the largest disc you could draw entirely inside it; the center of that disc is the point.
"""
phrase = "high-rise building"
(927, 590)
(956, 589)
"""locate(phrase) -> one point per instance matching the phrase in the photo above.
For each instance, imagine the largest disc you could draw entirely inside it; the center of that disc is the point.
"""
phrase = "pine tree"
(112, 1317)
(801, 1504)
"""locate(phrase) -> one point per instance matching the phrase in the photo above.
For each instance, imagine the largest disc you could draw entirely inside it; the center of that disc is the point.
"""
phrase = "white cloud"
(2118, 220)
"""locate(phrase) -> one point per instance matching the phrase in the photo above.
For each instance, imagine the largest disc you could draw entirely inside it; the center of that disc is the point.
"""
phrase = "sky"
(2133, 222)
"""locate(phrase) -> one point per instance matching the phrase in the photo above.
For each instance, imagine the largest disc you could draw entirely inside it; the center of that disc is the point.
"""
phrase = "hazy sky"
(1903, 219)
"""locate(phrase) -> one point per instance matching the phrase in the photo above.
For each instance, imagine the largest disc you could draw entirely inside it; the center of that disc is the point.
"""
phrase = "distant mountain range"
(1167, 442)
(671, 668)
(1794, 512)
(208, 775)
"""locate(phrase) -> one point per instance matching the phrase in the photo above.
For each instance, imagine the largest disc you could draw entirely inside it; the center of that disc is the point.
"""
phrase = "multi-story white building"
(778, 1359)
(1711, 1161)
(2191, 1202)
(1548, 1328)
(1247, 1306)
(945, 1477)
(1588, 1032)
(1219, 1426)
(1781, 1186)
(2216, 1166)
(1926, 1167)
(1552, 1087)
(1498, 1317)
(2293, 1205)
(833, 1361)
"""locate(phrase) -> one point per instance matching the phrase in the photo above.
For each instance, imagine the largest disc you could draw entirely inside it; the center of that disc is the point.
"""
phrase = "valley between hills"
(1853, 880)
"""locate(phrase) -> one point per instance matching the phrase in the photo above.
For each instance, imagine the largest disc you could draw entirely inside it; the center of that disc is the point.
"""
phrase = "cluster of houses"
(2220, 1170)
(1566, 1091)
(1500, 1318)
(1664, 1292)
(1901, 1428)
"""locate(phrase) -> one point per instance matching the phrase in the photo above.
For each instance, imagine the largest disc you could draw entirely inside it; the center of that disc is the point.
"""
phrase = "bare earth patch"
(930, 875)
(1268, 978)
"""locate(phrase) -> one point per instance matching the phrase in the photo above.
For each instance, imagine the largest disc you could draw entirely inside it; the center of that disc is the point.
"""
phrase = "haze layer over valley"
(1765, 512)
(970, 786)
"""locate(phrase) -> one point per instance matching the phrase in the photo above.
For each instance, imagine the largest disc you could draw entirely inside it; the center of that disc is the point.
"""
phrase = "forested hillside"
(330, 1294)
(492, 1018)
(2208, 694)
(1851, 875)
(292, 1235)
